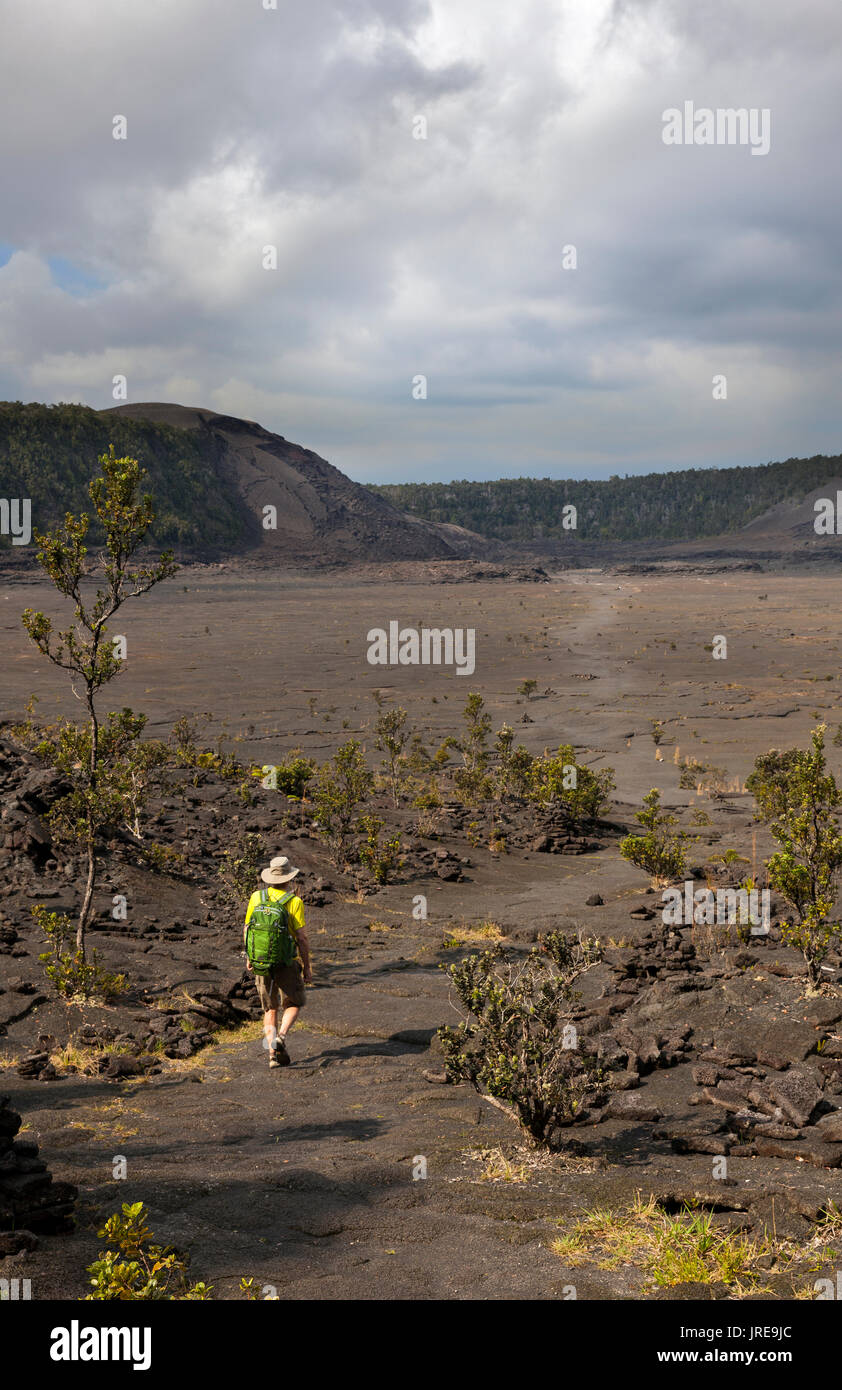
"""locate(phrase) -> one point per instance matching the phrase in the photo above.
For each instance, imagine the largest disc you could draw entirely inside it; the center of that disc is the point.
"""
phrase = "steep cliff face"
(321, 513)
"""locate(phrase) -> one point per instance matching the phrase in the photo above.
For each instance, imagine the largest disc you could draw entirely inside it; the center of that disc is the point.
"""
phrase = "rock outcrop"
(30, 1201)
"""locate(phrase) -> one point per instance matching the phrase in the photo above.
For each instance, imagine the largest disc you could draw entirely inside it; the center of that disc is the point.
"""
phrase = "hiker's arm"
(304, 951)
(302, 940)
(245, 934)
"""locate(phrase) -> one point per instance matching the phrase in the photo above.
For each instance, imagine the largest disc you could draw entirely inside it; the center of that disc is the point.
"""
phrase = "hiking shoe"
(280, 1056)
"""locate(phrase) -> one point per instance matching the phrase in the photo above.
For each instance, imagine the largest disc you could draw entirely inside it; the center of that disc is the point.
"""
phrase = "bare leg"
(270, 1026)
(289, 1017)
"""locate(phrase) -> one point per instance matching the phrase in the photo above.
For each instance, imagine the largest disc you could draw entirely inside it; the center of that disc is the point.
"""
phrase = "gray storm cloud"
(444, 256)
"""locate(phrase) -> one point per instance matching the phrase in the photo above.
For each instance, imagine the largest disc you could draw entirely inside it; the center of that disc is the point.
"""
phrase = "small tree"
(527, 688)
(512, 1044)
(342, 785)
(799, 801)
(659, 852)
(471, 778)
(512, 775)
(83, 649)
(239, 869)
(418, 760)
(390, 737)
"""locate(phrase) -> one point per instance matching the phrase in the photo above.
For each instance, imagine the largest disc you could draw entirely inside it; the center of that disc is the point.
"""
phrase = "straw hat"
(279, 871)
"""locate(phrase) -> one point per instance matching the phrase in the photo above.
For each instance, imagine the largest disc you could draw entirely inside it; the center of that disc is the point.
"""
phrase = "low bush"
(72, 975)
(513, 1045)
(138, 1269)
(660, 852)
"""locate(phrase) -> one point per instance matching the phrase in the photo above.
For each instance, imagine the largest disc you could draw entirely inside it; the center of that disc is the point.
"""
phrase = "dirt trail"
(303, 1178)
(307, 1179)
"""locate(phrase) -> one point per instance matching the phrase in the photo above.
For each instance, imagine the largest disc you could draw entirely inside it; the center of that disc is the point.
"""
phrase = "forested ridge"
(678, 505)
(49, 453)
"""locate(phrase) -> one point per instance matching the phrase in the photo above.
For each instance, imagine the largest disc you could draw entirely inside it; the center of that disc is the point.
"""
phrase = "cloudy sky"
(295, 127)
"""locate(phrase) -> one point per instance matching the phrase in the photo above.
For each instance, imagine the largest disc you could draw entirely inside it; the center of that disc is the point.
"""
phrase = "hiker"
(278, 952)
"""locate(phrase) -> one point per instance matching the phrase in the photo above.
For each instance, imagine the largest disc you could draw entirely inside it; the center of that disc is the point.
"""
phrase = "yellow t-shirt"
(295, 908)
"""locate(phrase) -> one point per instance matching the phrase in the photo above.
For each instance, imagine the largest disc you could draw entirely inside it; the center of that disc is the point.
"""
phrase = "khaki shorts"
(284, 983)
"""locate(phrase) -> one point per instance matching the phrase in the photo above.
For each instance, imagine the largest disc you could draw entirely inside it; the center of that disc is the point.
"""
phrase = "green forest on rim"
(665, 506)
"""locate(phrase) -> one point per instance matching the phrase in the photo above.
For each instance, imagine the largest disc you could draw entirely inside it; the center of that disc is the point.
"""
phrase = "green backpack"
(269, 939)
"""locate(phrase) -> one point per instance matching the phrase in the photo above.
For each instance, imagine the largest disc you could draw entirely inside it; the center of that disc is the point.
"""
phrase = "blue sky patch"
(72, 278)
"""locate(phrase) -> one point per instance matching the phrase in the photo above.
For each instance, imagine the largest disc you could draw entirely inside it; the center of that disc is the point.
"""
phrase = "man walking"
(278, 952)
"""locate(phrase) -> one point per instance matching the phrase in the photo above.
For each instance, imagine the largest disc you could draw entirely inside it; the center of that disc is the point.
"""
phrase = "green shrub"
(659, 852)
(184, 737)
(342, 785)
(471, 779)
(253, 1293)
(693, 773)
(378, 860)
(69, 971)
(239, 869)
(184, 741)
(429, 799)
(513, 768)
(289, 777)
(163, 859)
(559, 782)
(391, 737)
(799, 801)
(138, 1269)
(294, 775)
(510, 1045)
